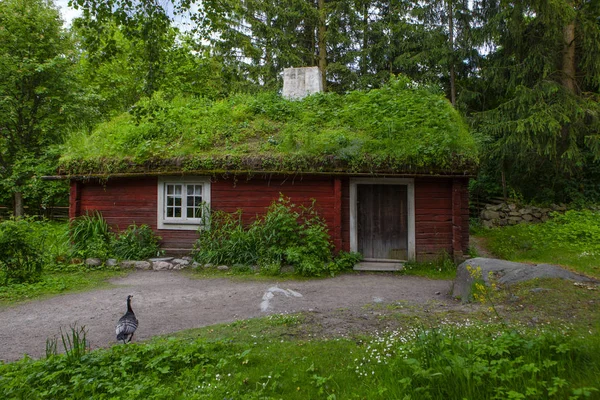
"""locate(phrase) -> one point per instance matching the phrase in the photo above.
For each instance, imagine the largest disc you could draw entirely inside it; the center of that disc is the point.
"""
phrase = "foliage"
(539, 93)
(91, 236)
(286, 235)
(36, 88)
(482, 361)
(75, 344)
(136, 243)
(451, 363)
(399, 127)
(21, 252)
(571, 239)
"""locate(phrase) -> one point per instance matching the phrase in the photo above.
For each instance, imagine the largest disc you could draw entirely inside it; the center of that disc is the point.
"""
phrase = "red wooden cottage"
(388, 193)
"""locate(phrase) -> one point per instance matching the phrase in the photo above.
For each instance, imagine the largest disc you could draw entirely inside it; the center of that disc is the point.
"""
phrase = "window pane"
(170, 212)
(169, 189)
(178, 190)
(190, 190)
(198, 201)
(178, 201)
(178, 213)
(190, 212)
(198, 190)
(169, 201)
(198, 212)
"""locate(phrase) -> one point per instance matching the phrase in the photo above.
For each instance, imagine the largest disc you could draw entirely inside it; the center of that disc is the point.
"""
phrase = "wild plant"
(91, 235)
(286, 234)
(136, 243)
(74, 343)
(21, 252)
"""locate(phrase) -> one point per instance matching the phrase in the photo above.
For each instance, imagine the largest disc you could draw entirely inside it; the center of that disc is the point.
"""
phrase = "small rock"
(223, 268)
(181, 261)
(438, 293)
(93, 262)
(208, 265)
(145, 265)
(156, 259)
(111, 262)
(161, 266)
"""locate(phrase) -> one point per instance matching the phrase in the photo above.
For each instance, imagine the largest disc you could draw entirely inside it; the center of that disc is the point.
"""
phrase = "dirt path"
(166, 302)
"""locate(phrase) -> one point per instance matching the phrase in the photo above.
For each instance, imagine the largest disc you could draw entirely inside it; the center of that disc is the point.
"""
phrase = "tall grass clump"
(286, 235)
(571, 239)
(22, 251)
(91, 236)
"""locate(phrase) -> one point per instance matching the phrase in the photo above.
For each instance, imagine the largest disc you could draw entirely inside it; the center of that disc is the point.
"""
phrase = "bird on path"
(127, 324)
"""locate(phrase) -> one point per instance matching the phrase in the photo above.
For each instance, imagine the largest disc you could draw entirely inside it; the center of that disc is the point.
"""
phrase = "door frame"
(410, 205)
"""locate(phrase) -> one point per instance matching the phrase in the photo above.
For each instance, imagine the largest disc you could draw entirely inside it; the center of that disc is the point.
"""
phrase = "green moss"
(399, 128)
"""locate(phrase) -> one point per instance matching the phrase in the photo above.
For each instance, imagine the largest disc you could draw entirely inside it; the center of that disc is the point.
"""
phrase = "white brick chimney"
(301, 82)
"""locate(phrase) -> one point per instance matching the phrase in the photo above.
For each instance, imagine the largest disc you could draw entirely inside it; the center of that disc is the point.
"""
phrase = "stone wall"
(503, 214)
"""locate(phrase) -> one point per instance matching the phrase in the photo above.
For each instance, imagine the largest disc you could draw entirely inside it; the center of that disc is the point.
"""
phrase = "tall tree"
(36, 59)
(541, 92)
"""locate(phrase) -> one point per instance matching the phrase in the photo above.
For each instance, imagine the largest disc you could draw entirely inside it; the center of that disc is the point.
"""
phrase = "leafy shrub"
(136, 243)
(286, 235)
(91, 236)
(21, 252)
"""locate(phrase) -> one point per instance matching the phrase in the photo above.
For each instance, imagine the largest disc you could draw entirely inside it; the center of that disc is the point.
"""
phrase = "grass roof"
(399, 128)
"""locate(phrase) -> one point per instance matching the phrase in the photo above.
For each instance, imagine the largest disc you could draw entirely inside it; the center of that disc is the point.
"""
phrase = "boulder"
(506, 273)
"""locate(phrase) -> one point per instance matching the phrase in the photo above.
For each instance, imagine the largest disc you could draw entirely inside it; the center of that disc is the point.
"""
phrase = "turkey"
(127, 324)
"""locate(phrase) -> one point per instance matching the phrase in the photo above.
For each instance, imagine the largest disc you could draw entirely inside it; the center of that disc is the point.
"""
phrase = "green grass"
(256, 359)
(53, 283)
(397, 127)
(571, 240)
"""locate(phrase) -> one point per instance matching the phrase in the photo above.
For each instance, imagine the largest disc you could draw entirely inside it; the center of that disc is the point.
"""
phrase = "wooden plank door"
(382, 226)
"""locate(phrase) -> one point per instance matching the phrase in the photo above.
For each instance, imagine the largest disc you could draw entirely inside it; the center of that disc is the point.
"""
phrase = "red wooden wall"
(441, 206)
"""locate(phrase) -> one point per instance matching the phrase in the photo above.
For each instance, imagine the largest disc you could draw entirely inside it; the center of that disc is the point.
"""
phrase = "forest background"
(524, 74)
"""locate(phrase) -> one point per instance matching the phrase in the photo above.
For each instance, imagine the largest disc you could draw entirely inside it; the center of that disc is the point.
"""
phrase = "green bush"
(136, 243)
(286, 235)
(21, 252)
(91, 236)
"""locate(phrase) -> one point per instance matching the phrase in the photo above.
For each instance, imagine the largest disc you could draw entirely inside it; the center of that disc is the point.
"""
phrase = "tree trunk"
(451, 48)
(568, 61)
(322, 43)
(19, 209)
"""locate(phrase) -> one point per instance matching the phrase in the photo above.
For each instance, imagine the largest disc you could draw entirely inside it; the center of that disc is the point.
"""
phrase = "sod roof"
(398, 129)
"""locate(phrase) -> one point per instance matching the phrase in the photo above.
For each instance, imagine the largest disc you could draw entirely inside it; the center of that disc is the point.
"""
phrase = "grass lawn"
(53, 283)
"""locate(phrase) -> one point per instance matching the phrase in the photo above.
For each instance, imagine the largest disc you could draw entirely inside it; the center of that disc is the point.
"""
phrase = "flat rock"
(506, 273)
(161, 265)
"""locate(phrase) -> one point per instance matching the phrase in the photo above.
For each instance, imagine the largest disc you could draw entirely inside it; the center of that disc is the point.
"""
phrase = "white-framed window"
(182, 201)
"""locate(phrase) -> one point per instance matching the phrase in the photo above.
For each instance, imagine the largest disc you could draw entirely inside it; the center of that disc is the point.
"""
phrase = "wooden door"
(382, 227)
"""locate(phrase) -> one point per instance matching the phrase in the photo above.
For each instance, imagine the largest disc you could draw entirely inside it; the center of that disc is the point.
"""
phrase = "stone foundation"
(503, 214)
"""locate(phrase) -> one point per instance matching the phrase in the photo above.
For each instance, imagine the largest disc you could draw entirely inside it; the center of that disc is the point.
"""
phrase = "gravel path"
(166, 302)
